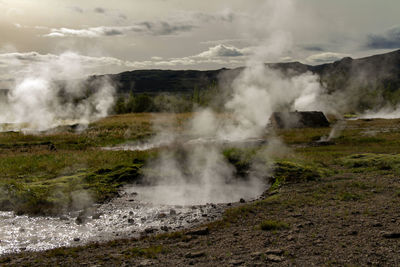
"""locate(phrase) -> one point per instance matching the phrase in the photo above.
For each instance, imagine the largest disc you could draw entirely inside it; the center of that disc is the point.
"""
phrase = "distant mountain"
(374, 72)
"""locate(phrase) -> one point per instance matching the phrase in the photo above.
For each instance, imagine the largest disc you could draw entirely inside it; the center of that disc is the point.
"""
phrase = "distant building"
(298, 119)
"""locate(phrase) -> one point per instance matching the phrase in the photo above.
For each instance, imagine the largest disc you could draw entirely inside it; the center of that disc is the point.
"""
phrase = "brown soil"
(344, 220)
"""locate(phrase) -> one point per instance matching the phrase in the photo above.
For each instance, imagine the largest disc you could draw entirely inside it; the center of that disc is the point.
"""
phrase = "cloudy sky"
(113, 36)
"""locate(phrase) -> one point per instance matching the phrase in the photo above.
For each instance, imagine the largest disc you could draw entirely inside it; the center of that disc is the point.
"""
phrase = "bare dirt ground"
(344, 220)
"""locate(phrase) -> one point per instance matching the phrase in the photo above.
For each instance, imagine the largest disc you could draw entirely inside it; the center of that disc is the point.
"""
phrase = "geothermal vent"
(298, 119)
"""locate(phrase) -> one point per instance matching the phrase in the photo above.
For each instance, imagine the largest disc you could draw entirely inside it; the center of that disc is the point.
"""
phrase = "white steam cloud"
(49, 94)
(196, 172)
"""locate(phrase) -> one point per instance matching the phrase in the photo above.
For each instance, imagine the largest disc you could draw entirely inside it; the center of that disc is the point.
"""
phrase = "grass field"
(41, 173)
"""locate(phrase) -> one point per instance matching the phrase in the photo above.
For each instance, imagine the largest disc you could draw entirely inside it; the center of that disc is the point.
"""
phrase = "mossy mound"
(291, 172)
(372, 162)
(66, 193)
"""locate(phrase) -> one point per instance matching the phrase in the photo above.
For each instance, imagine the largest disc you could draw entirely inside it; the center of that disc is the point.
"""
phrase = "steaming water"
(189, 142)
(194, 194)
(125, 216)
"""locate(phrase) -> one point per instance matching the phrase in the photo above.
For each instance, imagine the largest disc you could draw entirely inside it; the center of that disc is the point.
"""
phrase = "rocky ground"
(348, 219)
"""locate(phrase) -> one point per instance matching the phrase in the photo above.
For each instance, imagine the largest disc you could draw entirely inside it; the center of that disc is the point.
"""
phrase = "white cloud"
(151, 28)
(325, 57)
(19, 63)
(222, 51)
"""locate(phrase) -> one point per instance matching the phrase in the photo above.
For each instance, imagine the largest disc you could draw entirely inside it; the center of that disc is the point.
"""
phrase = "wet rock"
(63, 218)
(199, 231)
(195, 254)
(161, 215)
(96, 216)
(150, 230)
(172, 212)
(391, 235)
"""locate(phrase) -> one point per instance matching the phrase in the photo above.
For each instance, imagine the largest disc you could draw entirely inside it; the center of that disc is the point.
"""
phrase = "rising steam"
(49, 95)
(197, 172)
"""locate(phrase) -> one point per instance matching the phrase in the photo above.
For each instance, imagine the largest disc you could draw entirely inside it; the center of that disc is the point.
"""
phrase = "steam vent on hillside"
(298, 119)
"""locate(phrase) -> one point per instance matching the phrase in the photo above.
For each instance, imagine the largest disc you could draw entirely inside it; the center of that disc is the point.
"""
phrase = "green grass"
(270, 225)
(33, 177)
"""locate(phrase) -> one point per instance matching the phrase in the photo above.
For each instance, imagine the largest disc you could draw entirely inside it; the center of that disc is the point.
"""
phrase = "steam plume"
(48, 95)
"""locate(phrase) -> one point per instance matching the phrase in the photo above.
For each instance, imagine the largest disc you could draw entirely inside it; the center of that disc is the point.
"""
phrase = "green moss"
(53, 196)
(372, 162)
(290, 172)
(270, 225)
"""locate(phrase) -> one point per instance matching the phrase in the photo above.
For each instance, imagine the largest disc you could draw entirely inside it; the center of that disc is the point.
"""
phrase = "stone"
(150, 230)
(391, 235)
(274, 258)
(77, 239)
(131, 221)
(199, 231)
(172, 212)
(161, 215)
(242, 200)
(272, 251)
(195, 254)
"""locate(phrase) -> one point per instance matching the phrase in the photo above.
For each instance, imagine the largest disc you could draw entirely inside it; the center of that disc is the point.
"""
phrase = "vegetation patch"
(270, 225)
(53, 196)
(372, 162)
(290, 172)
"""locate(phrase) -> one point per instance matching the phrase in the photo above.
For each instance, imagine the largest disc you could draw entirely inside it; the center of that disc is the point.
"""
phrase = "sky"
(114, 36)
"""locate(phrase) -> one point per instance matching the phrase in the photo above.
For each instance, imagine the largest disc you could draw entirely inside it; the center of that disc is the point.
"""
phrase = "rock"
(242, 200)
(77, 239)
(131, 221)
(63, 218)
(274, 258)
(290, 238)
(145, 263)
(391, 235)
(377, 224)
(272, 251)
(236, 262)
(150, 230)
(199, 231)
(353, 232)
(131, 213)
(96, 216)
(256, 254)
(161, 215)
(172, 212)
(195, 254)
(164, 228)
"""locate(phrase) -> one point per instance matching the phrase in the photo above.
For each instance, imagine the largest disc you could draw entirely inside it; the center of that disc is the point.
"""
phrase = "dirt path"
(344, 220)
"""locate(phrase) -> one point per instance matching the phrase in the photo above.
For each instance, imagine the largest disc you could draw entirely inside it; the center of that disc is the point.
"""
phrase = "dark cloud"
(313, 48)
(389, 40)
(100, 10)
(161, 28)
